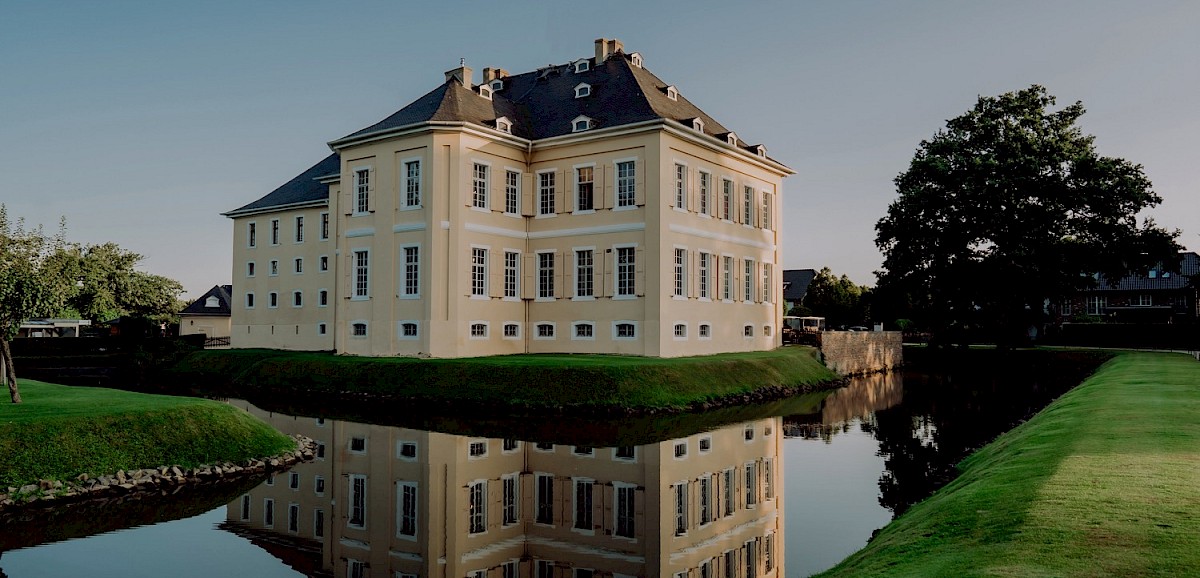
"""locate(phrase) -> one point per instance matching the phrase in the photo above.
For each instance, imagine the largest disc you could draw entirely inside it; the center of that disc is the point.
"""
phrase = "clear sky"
(140, 122)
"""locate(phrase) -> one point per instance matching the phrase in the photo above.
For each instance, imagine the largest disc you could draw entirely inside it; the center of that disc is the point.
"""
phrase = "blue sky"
(140, 122)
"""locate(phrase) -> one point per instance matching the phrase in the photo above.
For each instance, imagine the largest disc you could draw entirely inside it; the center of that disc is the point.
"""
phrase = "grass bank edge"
(60, 432)
(1060, 494)
(517, 381)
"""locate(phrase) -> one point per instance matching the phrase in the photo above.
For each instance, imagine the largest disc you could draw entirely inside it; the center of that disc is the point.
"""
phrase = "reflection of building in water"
(861, 398)
(394, 502)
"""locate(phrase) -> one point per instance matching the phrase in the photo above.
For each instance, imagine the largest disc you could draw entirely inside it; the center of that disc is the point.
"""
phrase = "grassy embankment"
(516, 382)
(1103, 482)
(59, 432)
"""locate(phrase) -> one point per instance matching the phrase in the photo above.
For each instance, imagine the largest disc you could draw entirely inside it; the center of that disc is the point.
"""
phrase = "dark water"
(812, 478)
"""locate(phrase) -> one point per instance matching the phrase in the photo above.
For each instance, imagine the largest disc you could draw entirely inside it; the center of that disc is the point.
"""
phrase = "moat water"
(782, 489)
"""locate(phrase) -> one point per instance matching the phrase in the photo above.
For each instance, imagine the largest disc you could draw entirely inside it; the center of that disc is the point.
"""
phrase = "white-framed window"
(1096, 304)
(477, 449)
(252, 234)
(362, 190)
(727, 278)
(324, 226)
(680, 331)
(362, 273)
(503, 125)
(355, 568)
(681, 449)
(704, 488)
(294, 518)
(751, 484)
(273, 268)
(297, 299)
(497, 85)
(751, 558)
(323, 298)
(705, 275)
(485, 91)
(358, 329)
(406, 510)
(726, 199)
(545, 275)
(697, 124)
(512, 192)
(626, 184)
(274, 231)
(512, 330)
(580, 124)
(626, 272)
(250, 269)
(358, 445)
(582, 90)
(767, 478)
(748, 280)
(323, 263)
(625, 453)
(298, 265)
(680, 186)
(322, 329)
(582, 502)
(624, 330)
(512, 274)
(479, 330)
(731, 138)
(319, 485)
(479, 270)
(477, 507)
(546, 193)
(704, 331)
(705, 444)
(635, 59)
(409, 329)
(748, 330)
(680, 280)
(769, 552)
(766, 282)
(411, 285)
(510, 499)
(272, 300)
(583, 330)
(544, 330)
(412, 183)
(727, 492)
(358, 501)
(585, 273)
(544, 499)
(268, 512)
(766, 330)
(766, 211)
(680, 494)
(299, 228)
(585, 180)
(510, 445)
(672, 93)
(479, 185)
(748, 205)
(406, 450)
(581, 65)
(543, 569)
(705, 193)
(318, 523)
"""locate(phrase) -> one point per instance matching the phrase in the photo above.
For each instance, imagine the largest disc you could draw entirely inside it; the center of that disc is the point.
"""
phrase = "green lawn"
(59, 432)
(515, 381)
(1103, 482)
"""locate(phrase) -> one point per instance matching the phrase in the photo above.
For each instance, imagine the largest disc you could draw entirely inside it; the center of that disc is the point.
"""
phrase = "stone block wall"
(860, 352)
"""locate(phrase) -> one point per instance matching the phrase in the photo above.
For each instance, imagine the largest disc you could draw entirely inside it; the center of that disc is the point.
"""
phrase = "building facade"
(209, 315)
(587, 207)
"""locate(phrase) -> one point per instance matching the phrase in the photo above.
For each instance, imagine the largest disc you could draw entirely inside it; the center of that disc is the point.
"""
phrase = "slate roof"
(301, 189)
(541, 104)
(222, 293)
(1189, 266)
(795, 283)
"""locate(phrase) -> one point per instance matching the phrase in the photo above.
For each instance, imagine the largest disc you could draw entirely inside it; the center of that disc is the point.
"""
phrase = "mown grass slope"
(1103, 482)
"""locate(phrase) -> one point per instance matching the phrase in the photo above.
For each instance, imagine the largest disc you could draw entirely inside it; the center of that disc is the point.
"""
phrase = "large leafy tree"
(107, 285)
(838, 299)
(1010, 206)
(31, 285)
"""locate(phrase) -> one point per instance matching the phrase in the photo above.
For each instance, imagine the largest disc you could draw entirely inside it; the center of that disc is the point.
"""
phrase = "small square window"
(512, 330)
(705, 445)
(358, 444)
(511, 445)
(624, 453)
(583, 450)
(749, 433)
(544, 446)
(408, 450)
(359, 330)
(477, 449)
(705, 330)
(479, 330)
(681, 449)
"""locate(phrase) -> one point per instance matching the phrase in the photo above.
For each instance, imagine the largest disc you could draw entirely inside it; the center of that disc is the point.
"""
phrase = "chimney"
(490, 74)
(615, 46)
(601, 50)
(462, 73)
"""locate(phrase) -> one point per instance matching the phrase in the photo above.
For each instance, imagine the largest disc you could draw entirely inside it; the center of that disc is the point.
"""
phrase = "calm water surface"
(784, 489)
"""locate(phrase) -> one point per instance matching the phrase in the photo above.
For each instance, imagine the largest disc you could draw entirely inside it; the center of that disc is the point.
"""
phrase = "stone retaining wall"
(861, 352)
(163, 479)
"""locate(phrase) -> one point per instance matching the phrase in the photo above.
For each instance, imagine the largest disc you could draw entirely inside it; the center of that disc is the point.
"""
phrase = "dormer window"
(672, 93)
(485, 91)
(580, 124)
(497, 85)
(581, 65)
(212, 301)
(759, 150)
(731, 139)
(697, 125)
(583, 89)
(636, 59)
(503, 125)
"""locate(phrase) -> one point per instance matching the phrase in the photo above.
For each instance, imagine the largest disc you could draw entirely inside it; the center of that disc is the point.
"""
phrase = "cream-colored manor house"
(587, 207)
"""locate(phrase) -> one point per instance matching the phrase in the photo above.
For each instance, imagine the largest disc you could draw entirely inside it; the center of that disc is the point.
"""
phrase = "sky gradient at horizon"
(141, 122)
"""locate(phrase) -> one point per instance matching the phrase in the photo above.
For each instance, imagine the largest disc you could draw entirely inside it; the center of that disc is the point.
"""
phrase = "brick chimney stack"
(462, 73)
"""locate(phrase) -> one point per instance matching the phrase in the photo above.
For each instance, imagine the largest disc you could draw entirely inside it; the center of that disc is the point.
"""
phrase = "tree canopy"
(838, 299)
(108, 286)
(1007, 207)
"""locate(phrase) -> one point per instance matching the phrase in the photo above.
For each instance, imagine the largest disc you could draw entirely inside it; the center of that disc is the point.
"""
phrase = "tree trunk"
(10, 372)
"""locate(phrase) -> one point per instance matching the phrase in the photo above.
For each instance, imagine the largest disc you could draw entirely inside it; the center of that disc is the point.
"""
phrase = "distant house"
(1156, 296)
(52, 327)
(795, 286)
(208, 315)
